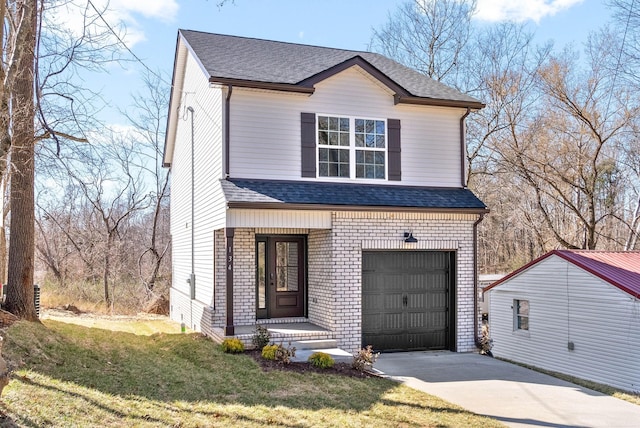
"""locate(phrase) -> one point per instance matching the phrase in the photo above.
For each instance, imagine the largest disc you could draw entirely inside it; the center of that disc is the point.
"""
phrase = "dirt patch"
(341, 369)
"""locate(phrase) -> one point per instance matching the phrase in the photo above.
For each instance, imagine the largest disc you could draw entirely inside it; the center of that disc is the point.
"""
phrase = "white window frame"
(352, 148)
(517, 315)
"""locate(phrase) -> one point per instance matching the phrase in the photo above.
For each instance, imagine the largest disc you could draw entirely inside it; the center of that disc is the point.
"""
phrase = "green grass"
(73, 375)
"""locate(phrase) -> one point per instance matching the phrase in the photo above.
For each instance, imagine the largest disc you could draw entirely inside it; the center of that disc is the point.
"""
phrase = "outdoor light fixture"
(408, 237)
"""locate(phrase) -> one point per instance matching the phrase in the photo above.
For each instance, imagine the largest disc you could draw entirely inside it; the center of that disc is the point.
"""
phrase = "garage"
(408, 300)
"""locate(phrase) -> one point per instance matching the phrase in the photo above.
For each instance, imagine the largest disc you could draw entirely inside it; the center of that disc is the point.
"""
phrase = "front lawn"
(73, 375)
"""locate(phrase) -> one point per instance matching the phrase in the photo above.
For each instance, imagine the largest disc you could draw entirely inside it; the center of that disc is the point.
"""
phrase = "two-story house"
(323, 187)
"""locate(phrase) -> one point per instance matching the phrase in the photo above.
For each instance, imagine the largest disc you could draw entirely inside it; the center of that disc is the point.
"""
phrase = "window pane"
(369, 126)
(333, 139)
(323, 155)
(370, 140)
(344, 124)
(344, 139)
(262, 283)
(360, 171)
(323, 137)
(359, 140)
(323, 122)
(379, 171)
(523, 307)
(368, 171)
(379, 158)
(359, 156)
(380, 141)
(324, 170)
(344, 156)
(333, 123)
(286, 266)
(379, 127)
(333, 170)
(359, 125)
(523, 323)
(368, 157)
(344, 170)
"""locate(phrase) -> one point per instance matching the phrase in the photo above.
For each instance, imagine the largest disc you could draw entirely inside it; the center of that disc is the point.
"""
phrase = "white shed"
(572, 311)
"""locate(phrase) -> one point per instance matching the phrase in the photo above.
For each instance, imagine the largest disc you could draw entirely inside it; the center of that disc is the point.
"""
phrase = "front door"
(280, 276)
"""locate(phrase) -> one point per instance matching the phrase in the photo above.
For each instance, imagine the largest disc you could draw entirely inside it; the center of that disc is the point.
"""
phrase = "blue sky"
(152, 27)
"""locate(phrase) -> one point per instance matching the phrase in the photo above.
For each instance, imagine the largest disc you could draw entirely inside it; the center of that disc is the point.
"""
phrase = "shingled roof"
(241, 193)
(288, 66)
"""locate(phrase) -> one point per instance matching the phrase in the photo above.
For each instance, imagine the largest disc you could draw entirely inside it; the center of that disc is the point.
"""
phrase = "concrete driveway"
(516, 396)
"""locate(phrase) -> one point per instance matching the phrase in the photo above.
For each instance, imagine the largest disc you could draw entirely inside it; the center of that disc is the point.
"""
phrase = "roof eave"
(404, 99)
(270, 86)
(327, 207)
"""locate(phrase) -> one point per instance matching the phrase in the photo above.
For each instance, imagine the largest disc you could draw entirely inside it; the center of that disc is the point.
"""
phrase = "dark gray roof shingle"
(238, 190)
(266, 61)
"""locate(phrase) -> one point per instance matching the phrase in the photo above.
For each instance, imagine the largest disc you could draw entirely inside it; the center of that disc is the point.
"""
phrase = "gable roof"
(251, 193)
(267, 64)
(619, 268)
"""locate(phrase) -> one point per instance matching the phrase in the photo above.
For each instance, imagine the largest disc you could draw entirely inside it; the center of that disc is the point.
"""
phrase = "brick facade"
(334, 268)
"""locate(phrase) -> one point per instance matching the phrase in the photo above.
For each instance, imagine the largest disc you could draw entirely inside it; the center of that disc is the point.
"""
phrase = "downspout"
(476, 337)
(192, 277)
(227, 122)
(463, 152)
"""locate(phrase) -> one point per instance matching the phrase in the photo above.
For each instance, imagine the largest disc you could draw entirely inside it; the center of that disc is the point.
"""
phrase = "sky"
(152, 27)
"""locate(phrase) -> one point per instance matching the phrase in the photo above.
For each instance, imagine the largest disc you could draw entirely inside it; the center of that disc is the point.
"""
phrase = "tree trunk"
(20, 298)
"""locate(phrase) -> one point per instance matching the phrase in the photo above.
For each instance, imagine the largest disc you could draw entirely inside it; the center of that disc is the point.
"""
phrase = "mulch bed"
(341, 369)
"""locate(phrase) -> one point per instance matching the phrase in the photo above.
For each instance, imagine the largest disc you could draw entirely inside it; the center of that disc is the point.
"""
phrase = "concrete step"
(315, 344)
(338, 355)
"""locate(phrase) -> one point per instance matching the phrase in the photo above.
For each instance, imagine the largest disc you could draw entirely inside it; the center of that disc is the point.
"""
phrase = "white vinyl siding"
(265, 136)
(569, 305)
(209, 209)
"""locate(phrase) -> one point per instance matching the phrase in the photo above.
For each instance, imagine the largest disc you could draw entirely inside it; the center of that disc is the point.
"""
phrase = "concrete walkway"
(516, 396)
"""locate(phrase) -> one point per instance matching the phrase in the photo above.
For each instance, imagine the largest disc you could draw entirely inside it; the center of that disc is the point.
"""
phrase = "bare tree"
(429, 36)
(148, 119)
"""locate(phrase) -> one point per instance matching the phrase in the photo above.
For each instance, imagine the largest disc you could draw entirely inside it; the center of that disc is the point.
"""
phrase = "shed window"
(521, 315)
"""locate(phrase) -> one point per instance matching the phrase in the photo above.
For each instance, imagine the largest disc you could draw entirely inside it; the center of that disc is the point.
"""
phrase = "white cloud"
(521, 10)
(119, 14)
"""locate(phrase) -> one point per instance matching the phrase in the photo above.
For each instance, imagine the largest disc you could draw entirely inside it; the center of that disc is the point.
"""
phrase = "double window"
(352, 147)
(521, 315)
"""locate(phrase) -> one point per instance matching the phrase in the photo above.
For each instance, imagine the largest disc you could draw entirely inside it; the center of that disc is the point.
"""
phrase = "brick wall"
(321, 288)
(353, 231)
(335, 273)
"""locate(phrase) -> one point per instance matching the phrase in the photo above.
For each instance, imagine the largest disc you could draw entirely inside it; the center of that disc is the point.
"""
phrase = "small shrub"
(269, 352)
(486, 341)
(278, 353)
(261, 337)
(284, 355)
(232, 345)
(364, 358)
(321, 360)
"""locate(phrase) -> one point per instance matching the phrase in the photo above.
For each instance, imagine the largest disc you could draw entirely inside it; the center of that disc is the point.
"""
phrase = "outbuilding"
(575, 312)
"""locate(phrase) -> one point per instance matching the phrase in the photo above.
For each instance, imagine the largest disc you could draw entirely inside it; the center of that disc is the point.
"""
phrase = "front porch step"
(317, 344)
(338, 355)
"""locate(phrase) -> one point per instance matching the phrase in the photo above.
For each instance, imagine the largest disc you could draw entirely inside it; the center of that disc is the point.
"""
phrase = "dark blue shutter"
(393, 150)
(308, 140)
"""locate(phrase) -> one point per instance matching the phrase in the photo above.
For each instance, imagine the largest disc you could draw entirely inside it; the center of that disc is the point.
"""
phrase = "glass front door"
(280, 276)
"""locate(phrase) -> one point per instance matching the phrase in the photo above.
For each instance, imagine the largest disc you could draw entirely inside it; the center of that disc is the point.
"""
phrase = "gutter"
(463, 153)
(476, 337)
(227, 122)
(328, 207)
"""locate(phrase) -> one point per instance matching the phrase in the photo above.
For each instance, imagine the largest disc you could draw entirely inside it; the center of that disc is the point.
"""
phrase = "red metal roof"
(619, 268)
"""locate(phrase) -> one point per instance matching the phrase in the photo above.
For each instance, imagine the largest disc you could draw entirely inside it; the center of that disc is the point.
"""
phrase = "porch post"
(229, 329)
